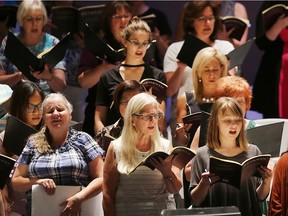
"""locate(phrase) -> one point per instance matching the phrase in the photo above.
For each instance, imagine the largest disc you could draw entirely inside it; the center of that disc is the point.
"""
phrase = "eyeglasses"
(204, 19)
(119, 17)
(137, 44)
(211, 70)
(31, 108)
(31, 19)
(149, 117)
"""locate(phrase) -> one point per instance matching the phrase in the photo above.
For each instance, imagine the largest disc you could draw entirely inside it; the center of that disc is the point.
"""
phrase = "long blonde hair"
(125, 145)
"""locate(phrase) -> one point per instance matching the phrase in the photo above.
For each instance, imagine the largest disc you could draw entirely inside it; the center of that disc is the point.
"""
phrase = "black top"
(265, 88)
(111, 79)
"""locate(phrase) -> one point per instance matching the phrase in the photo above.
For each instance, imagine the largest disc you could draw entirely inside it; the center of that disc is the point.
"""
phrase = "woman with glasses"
(60, 155)
(136, 38)
(201, 20)
(115, 17)
(25, 104)
(32, 16)
(145, 191)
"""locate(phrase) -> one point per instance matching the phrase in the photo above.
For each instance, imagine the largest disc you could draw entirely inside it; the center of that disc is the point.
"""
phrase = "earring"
(200, 80)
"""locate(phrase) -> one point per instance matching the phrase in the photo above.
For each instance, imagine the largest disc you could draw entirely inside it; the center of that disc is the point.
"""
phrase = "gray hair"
(30, 5)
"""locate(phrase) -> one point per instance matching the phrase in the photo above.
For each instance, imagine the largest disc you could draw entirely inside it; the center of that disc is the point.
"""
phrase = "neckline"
(128, 65)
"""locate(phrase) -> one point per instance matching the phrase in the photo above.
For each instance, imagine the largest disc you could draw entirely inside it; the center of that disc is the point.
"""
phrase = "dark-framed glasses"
(31, 108)
(148, 116)
(138, 44)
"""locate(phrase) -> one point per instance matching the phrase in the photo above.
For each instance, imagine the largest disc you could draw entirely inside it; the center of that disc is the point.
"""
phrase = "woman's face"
(56, 114)
(137, 45)
(126, 96)
(210, 73)
(146, 122)
(229, 125)
(33, 110)
(119, 21)
(204, 24)
(33, 22)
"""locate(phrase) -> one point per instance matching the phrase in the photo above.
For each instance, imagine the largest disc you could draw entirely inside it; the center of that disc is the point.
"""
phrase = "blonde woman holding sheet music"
(145, 191)
(201, 20)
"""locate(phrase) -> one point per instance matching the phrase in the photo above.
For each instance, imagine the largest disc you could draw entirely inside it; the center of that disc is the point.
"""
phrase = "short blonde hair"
(203, 57)
(30, 5)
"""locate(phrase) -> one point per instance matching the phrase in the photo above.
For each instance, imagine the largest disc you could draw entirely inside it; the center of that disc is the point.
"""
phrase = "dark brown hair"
(124, 86)
(109, 11)
(20, 97)
(193, 11)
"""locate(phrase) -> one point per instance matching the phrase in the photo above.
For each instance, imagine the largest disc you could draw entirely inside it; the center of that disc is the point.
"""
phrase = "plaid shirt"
(68, 164)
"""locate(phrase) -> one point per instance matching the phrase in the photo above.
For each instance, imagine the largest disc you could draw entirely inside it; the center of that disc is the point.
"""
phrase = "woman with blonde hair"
(145, 191)
(209, 66)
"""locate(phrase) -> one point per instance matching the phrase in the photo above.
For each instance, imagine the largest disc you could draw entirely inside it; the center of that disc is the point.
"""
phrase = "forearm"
(23, 184)
(264, 189)
(172, 182)
(174, 82)
(162, 43)
(89, 78)
(11, 79)
(57, 80)
(92, 189)
(199, 193)
(109, 205)
(276, 28)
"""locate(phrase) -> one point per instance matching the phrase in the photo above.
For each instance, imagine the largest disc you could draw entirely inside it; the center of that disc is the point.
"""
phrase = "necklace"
(128, 65)
(207, 100)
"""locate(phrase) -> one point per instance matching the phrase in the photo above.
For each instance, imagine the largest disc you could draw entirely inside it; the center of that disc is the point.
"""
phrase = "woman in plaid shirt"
(60, 155)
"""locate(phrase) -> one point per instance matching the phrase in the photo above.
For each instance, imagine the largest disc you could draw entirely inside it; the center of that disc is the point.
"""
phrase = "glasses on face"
(149, 117)
(208, 71)
(137, 44)
(204, 19)
(35, 20)
(119, 17)
(31, 108)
